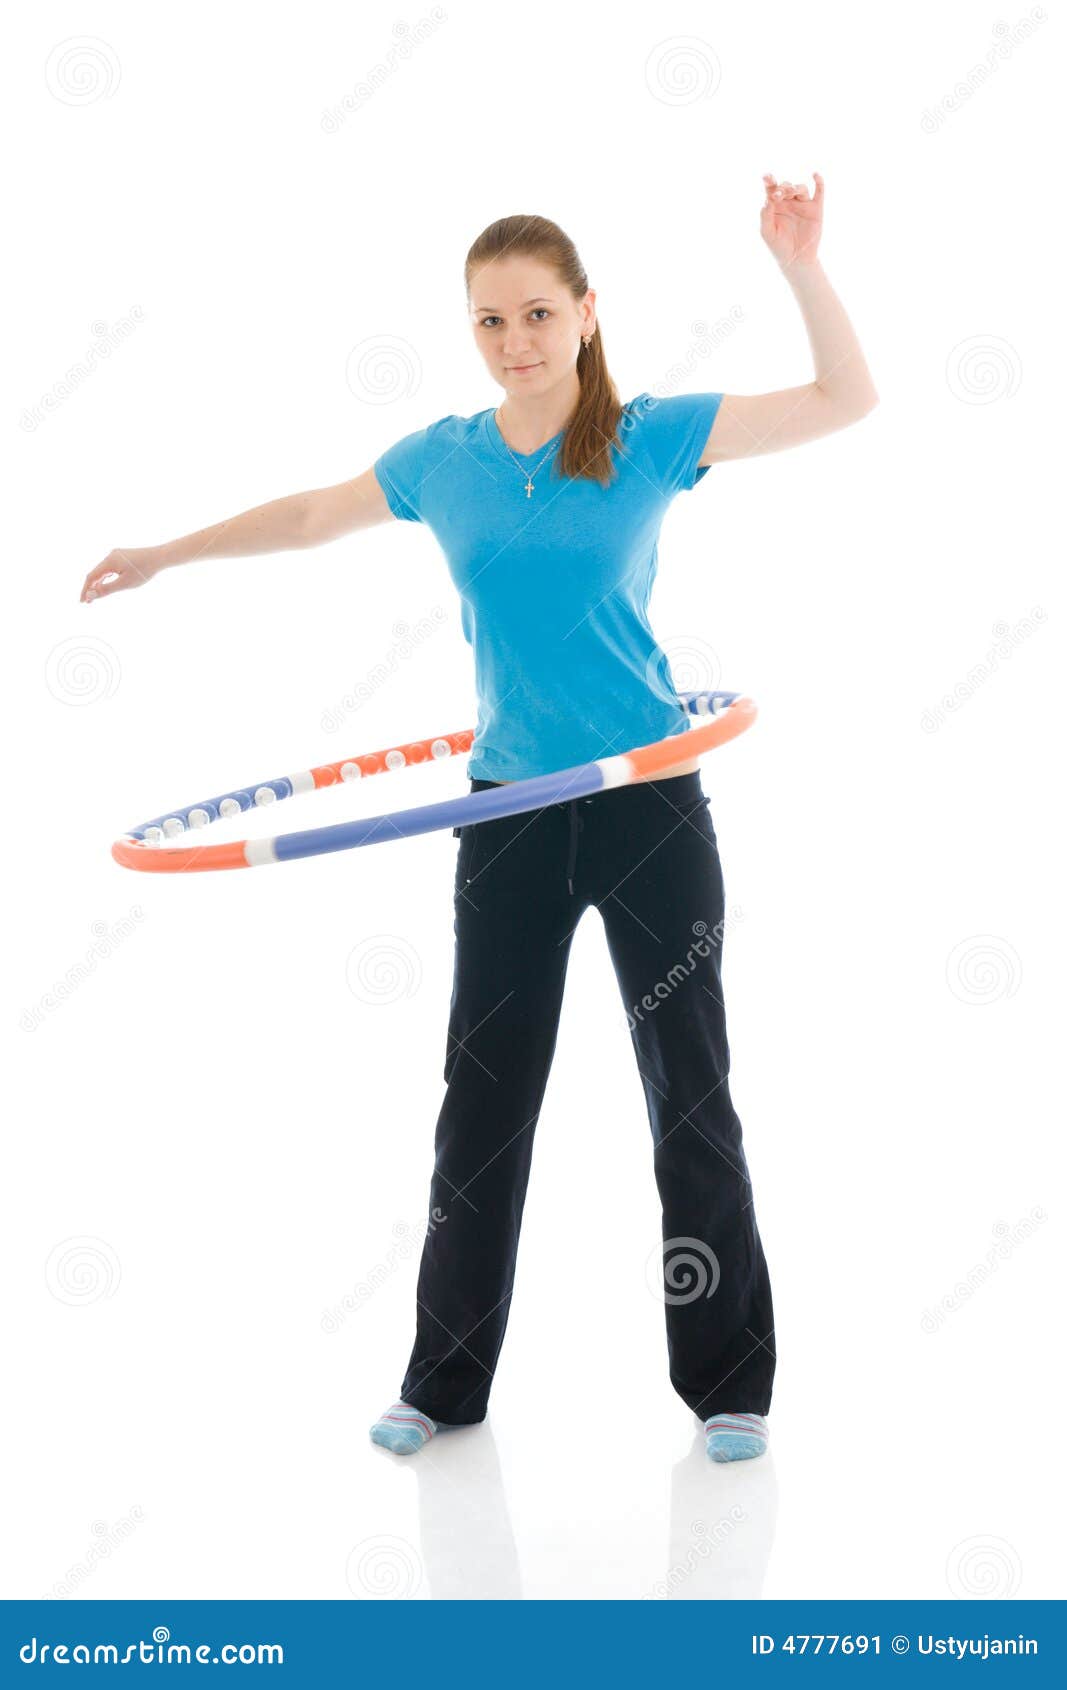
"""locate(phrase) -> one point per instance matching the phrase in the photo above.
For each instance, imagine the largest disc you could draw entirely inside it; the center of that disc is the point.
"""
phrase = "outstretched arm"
(842, 390)
(298, 520)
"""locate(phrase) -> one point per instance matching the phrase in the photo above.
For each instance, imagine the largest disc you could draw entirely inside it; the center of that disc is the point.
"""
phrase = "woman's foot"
(735, 1437)
(403, 1429)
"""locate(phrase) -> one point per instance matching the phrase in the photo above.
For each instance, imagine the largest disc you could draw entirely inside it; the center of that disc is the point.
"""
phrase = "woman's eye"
(487, 322)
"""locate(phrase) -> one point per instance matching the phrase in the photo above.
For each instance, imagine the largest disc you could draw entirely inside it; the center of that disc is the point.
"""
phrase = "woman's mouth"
(521, 369)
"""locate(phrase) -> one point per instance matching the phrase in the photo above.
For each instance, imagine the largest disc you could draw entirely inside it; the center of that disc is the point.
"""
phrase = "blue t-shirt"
(555, 585)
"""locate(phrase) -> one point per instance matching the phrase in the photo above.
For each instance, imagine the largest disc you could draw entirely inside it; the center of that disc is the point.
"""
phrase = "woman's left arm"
(842, 391)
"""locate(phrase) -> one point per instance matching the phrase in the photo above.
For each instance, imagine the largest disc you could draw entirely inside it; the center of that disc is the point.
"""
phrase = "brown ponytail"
(590, 434)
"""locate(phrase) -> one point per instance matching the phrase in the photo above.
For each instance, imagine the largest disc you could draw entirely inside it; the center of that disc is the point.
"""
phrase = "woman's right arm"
(283, 525)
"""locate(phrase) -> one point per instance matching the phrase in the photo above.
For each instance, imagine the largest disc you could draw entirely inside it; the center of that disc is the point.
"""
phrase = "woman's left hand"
(791, 222)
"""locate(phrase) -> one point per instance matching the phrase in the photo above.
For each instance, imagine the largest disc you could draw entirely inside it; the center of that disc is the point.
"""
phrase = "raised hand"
(791, 221)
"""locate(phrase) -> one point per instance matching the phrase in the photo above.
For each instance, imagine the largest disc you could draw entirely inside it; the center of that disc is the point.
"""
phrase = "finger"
(101, 581)
(818, 185)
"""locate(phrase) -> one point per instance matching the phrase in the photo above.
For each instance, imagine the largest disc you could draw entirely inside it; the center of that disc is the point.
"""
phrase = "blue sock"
(403, 1429)
(735, 1437)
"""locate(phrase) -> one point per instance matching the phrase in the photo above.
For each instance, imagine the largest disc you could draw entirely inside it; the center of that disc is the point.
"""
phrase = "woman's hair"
(590, 434)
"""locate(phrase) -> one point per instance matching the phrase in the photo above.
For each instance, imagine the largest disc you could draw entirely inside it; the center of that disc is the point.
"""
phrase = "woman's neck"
(528, 422)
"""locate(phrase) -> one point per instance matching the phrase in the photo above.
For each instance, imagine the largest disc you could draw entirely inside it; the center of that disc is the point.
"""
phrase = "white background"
(222, 1129)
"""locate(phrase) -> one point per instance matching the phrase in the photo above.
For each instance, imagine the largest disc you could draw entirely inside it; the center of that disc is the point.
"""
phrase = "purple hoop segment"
(144, 848)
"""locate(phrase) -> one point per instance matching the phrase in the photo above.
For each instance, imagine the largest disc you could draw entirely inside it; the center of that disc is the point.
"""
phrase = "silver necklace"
(529, 474)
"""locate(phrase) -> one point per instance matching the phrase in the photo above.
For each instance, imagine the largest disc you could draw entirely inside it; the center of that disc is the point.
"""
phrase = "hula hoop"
(143, 848)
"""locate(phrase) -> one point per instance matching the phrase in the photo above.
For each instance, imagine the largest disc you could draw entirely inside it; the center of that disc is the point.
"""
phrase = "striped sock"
(735, 1437)
(403, 1429)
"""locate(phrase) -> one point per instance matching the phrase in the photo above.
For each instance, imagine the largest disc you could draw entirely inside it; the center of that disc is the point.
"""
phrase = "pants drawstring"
(572, 853)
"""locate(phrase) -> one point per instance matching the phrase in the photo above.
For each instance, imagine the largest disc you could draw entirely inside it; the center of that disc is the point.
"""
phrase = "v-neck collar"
(502, 448)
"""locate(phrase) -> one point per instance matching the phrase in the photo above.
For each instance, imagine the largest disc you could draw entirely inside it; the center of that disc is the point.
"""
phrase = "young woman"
(548, 508)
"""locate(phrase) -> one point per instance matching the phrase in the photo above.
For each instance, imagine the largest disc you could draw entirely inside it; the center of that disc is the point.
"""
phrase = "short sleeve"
(673, 432)
(401, 472)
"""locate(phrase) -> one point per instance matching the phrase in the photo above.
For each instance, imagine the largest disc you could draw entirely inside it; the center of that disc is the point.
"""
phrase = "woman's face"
(527, 326)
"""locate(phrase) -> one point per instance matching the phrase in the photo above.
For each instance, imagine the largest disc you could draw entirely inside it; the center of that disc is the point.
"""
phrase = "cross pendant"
(529, 487)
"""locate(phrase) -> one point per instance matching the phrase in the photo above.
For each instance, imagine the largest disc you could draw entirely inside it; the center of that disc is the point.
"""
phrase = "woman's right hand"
(124, 567)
